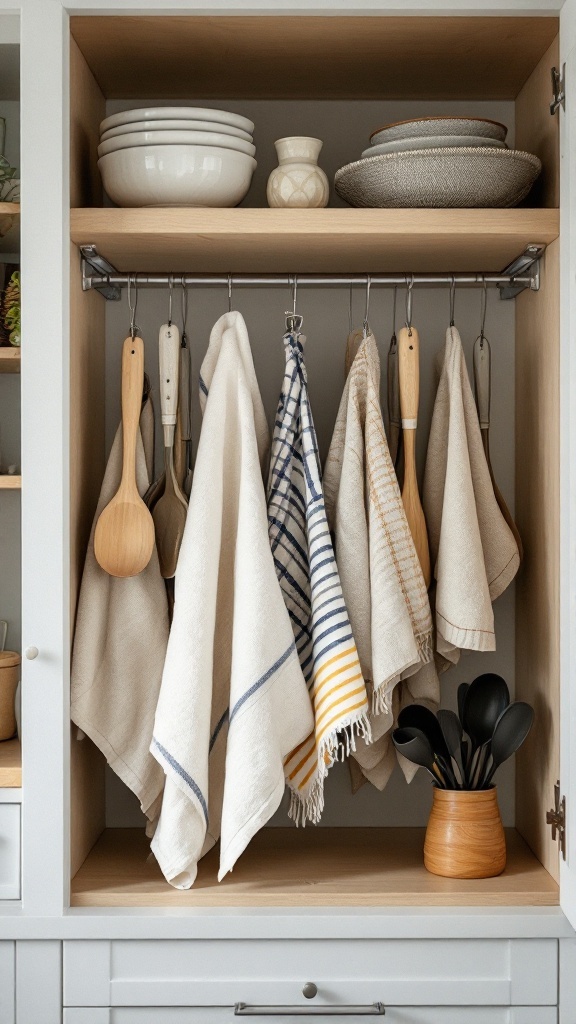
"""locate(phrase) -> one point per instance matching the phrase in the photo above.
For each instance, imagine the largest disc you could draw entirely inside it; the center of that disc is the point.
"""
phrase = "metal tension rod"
(100, 275)
(298, 1010)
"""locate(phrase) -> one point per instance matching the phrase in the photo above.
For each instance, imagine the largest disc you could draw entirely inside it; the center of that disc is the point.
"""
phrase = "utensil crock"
(465, 837)
(9, 679)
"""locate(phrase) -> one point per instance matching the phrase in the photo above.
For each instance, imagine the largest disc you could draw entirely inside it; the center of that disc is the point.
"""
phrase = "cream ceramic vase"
(298, 182)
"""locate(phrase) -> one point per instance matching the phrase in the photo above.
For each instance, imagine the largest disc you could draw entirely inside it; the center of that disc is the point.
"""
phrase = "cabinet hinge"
(556, 818)
(558, 89)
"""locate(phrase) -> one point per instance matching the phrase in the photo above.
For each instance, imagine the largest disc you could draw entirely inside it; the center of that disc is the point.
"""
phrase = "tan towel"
(472, 548)
(119, 649)
(382, 581)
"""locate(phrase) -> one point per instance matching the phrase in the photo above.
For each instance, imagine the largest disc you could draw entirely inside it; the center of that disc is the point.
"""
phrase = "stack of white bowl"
(176, 156)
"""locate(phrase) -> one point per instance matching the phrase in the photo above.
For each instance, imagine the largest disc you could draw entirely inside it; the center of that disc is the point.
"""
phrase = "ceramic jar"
(9, 679)
(298, 182)
(465, 837)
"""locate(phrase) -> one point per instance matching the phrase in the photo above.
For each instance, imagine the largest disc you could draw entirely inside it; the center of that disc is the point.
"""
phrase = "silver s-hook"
(483, 303)
(229, 293)
(184, 339)
(293, 319)
(171, 292)
(365, 326)
(132, 308)
(409, 287)
(452, 299)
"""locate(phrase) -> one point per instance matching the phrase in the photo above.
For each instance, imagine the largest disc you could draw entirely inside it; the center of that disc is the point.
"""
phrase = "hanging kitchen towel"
(119, 648)
(233, 700)
(306, 568)
(381, 578)
(473, 550)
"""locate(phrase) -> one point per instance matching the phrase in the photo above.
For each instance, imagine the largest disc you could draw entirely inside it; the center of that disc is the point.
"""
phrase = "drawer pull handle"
(370, 1010)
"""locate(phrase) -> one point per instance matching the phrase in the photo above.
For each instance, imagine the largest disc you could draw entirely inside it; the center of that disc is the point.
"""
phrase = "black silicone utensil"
(510, 731)
(416, 747)
(418, 716)
(452, 731)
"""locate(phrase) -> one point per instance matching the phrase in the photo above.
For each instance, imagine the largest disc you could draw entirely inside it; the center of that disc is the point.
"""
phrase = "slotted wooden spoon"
(409, 382)
(483, 387)
(170, 510)
(124, 536)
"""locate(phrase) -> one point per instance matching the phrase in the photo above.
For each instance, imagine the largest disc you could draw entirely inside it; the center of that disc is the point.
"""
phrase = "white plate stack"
(176, 156)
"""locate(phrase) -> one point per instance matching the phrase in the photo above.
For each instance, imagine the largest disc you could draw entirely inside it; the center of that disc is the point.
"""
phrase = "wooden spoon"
(409, 379)
(124, 537)
(170, 511)
(482, 387)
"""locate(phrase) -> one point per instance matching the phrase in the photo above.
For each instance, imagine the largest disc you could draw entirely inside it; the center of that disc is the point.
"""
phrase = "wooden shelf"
(457, 58)
(313, 867)
(9, 360)
(280, 241)
(10, 483)
(9, 217)
(10, 765)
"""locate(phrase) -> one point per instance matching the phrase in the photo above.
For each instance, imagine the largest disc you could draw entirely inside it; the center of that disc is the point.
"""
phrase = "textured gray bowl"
(443, 178)
(439, 126)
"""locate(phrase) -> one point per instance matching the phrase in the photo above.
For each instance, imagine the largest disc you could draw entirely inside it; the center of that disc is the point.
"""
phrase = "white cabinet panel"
(9, 851)
(7, 982)
(481, 972)
(394, 1015)
(39, 982)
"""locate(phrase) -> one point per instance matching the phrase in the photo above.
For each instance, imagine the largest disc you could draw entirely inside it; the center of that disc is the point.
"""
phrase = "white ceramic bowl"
(175, 125)
(176, 176)
(133, 139)
(181, 113)
(433, 142)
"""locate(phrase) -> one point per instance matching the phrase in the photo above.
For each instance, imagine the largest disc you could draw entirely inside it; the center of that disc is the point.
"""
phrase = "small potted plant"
(462, 752)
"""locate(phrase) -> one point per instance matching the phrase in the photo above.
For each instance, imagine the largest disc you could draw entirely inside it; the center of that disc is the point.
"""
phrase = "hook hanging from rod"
(184, 339)
(294, 320)
(170, 293)
(132, 308)
(483, 302)
(229, 293)
(452, 299)
(409, 287)
(365, 326)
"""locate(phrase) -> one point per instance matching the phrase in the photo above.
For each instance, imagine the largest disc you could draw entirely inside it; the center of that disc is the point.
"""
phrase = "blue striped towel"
(308, 575)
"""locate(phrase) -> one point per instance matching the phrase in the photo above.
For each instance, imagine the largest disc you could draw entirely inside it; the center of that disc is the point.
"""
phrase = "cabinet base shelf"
(316, 867)
(10, 765)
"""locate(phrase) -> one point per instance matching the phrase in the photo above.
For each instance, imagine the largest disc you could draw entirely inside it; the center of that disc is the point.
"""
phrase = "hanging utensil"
(394, 413)
(510, 731)
(409, 378)
(124, 536)
(482, 357)
(170, 511)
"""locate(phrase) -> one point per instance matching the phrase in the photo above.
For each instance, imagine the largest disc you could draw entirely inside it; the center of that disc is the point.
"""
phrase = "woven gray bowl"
(439, 126)
(446, 178)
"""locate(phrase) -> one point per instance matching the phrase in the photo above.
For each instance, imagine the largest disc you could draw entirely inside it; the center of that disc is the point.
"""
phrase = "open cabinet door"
(568, 457)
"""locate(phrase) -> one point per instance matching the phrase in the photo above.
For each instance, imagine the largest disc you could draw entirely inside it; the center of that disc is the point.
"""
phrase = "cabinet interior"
(485, 62)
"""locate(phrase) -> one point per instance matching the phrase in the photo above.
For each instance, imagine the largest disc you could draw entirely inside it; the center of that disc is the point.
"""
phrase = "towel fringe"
(336, 747)
(426, 646)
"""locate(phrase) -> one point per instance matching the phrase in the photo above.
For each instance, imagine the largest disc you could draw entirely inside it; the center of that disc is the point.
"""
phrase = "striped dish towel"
(233, 701)
(306, 568)
(381, 578)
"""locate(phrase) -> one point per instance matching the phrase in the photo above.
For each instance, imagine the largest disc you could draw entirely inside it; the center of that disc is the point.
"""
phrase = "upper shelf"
(312, 241)
(311, 57)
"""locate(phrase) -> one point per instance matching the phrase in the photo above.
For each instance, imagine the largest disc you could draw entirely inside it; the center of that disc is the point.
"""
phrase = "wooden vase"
(465, 837)
(9, 679)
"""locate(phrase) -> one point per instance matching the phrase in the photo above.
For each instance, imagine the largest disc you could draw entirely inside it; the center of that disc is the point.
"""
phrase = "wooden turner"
(483, 387)
(124, 536)
(409, 381)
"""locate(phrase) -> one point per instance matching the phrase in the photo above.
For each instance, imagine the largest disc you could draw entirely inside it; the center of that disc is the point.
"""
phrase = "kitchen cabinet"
(351, 908)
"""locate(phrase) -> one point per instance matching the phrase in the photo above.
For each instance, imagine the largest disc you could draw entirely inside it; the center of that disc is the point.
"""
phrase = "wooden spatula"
(124, 536)
(409, 379)
(483, 387)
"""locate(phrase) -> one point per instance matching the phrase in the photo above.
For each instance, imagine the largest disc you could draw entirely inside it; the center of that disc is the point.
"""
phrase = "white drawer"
(9, 851)
(7, 982)
(479, 972)
(394, 1015)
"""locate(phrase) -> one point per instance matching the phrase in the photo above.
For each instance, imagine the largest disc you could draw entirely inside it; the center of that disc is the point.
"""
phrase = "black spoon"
(510, 732)
(485, 700)
(418, 716)
(452, 732)
(415, 746)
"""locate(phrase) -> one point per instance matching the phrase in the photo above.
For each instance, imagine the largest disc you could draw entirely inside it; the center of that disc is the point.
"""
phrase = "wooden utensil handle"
(409, 376)
(169, 356)
(482, 387)
(132, 385)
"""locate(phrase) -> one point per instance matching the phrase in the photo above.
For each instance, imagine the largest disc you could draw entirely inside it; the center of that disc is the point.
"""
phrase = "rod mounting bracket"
(527, 262)
(94, 265)
(558, 89)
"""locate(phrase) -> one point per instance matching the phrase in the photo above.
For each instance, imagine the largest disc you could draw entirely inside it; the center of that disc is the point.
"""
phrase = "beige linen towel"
(472, 548)
(119, 648)
(382, 581)
(233, 701)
